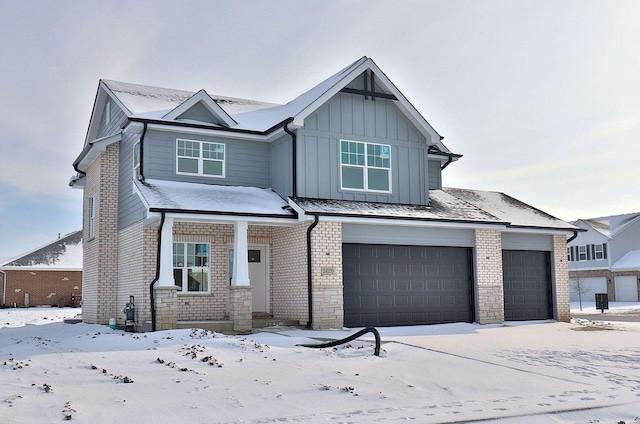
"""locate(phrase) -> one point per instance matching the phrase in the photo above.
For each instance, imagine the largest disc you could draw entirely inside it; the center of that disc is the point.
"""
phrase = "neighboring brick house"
(605, 258)
(328, 210)
(50, 275)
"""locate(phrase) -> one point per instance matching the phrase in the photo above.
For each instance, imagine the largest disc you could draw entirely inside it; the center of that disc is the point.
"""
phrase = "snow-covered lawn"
(543, 372)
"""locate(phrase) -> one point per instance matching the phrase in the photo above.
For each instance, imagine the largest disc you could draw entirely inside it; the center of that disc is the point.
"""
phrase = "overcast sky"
(541, 97)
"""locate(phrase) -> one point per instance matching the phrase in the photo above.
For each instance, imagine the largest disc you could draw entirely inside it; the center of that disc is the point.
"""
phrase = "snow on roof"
(155, 102)
(63, 253)
(160, 195)
(442, 207)
(508, 209)
(629, 262)
(611, 225)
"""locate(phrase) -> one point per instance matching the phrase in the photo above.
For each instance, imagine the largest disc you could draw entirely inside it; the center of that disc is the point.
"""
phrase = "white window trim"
(185, 284)
(595, 252)
(92, 217)
(585, 254)
(365, 167)
(201, 159)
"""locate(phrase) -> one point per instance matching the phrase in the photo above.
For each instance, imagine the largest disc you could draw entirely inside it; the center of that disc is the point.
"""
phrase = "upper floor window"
(200, 158)
(582, 253)
(598, 251)
(365, 166)
(191, 267)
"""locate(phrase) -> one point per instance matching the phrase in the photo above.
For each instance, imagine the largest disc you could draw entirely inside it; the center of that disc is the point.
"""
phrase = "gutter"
(223, 213)
(157, 277)
(570, 239)
(210, 127)
(294, 161)
(309, 273)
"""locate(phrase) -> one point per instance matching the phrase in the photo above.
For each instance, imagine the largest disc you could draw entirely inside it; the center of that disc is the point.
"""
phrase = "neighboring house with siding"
(328, 210)
(605, 258)
(50, 275)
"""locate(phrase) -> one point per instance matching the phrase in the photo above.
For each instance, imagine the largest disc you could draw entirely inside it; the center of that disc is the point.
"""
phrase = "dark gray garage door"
(527, 285)
(388, 285)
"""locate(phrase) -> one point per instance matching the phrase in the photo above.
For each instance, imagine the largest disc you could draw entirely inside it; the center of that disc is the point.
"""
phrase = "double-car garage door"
(388, 285)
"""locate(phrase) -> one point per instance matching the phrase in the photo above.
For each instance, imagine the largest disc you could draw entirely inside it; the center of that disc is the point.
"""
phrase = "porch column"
(165, 290)
(240, 296)
(240, 275)
(166, 255)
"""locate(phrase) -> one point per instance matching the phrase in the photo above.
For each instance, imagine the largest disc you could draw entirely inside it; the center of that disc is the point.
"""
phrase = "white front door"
(258, 276)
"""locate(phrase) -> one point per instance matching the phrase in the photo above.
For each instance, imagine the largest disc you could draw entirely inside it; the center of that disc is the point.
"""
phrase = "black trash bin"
(602, 301)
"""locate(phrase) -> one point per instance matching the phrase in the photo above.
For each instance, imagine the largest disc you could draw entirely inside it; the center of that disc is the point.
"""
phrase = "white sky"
(541, 97)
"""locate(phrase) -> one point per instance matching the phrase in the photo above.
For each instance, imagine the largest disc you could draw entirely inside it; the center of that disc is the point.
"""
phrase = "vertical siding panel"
(346, 106)
(358, 115)
(380, 119)
(403, 129)
(369, 118)
(323, 118)
(392, 123)
(324, 172)
(335, 124)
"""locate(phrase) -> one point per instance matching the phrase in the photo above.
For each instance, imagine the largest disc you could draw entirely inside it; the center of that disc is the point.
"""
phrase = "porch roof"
(629, 262)
(193, 198)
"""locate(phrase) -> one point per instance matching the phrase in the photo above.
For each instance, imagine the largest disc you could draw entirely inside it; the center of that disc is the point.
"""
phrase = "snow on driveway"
(525, 372)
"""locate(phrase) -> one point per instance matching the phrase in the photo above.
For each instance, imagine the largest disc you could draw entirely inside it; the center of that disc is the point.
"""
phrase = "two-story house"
(605, 258)
(328, 210)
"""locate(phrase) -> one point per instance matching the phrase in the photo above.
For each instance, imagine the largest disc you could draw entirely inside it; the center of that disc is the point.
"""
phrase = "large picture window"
(365, 166)
(200, 158)
(191, 267)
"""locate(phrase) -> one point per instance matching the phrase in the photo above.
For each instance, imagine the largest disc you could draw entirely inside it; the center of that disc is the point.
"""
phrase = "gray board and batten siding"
(352, 117)
(281, 166)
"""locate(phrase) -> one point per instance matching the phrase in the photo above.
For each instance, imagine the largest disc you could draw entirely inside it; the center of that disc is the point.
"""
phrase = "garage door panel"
(527, 285)
(438, 290)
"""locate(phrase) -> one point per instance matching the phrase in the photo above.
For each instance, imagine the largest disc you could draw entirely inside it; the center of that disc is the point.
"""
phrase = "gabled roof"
(164, 105)
(63, 253)
(610, 226)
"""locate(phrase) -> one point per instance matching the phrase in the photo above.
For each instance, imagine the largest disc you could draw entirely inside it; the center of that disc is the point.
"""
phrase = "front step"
(263, 320)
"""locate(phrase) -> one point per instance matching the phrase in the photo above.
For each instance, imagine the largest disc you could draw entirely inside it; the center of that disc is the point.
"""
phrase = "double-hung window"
(582, 253)
(200, 158)
(598, 251)
(191, 267)
(92, 217)
(365, 166)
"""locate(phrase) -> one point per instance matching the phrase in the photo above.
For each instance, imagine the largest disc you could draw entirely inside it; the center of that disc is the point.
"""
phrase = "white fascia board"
(409, 222)
(403, 104)
(217, 133)
(228, 219)
(96, 147)
(302, 216)
(601, 268)
(39, 268)
(136, 191)
(542, 231)
(206, 100)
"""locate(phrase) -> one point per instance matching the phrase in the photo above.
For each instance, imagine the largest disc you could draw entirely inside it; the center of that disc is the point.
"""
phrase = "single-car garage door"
(527, 285)
(387, 285)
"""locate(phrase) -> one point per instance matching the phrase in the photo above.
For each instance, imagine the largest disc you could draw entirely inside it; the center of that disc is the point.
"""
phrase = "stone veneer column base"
(166, 301)
(241, 308)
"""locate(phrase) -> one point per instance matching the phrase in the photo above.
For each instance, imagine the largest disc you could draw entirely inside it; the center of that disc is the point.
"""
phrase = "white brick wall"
(490, 285)
(562, 290)
(289, 290)
(100, 264)
(328, 297)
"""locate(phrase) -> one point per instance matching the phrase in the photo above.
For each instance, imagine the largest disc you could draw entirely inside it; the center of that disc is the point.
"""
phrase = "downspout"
(570, 239)
(144, 132)
(309, 273)
(447, 162)
(294, 149)
(157, 277)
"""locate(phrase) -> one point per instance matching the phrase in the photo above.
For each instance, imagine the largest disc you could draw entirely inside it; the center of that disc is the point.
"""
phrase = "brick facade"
(327, 294)
(289, 288)
(45, 288)
(100, 255)
(561, 278)
(489, 281)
